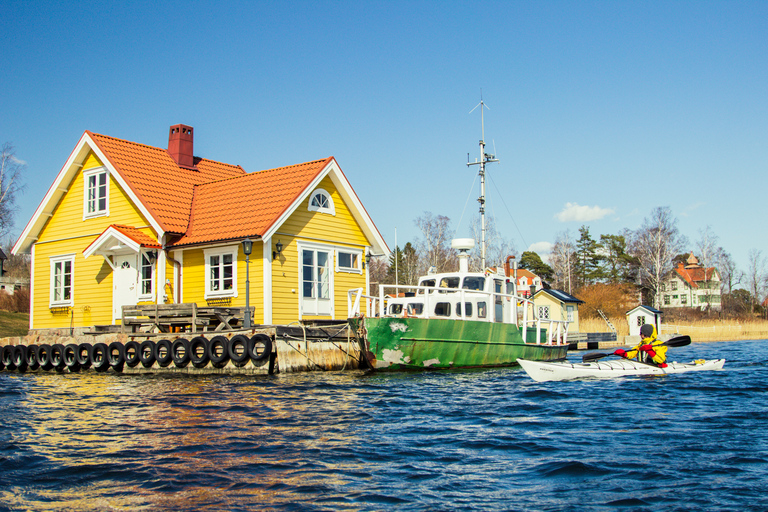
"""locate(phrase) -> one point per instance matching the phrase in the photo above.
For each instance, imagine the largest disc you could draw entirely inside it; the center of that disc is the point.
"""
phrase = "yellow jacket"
(656, 344)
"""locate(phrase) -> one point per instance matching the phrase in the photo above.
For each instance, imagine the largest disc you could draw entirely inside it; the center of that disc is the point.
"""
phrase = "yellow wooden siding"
(335, 231)
(66, 232)
(340, 228)
(194, 278)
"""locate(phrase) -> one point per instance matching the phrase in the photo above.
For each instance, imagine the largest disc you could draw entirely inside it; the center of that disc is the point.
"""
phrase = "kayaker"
(649, 350)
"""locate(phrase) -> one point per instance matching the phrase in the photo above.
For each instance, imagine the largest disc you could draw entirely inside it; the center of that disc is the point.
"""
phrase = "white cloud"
(574, 212)
(543, 249)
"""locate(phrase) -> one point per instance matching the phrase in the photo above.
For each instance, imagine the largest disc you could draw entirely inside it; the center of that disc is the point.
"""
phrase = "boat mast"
(484, 159)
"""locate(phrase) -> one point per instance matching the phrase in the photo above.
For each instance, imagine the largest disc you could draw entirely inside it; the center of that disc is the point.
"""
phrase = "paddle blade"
(594, 356)
(678, 341)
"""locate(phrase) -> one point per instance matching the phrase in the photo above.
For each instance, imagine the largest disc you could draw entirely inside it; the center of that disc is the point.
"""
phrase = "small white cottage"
(643, 315)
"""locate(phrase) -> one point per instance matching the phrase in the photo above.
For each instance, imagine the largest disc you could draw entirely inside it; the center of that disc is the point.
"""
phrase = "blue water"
(459, 440)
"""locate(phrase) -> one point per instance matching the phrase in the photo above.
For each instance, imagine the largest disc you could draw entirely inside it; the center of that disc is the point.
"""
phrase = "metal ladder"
(610, 325)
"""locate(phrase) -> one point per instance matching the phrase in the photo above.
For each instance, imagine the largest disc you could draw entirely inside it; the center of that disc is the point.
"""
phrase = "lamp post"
(247, 248)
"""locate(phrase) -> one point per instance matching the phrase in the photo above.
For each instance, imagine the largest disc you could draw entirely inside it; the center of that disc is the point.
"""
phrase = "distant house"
(125, 223)
(640, 315)
(692, 286)
(7, 283)
(526, 279)
(558, 305)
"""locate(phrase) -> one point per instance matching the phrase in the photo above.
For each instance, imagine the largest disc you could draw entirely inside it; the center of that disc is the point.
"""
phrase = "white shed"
(643, 315)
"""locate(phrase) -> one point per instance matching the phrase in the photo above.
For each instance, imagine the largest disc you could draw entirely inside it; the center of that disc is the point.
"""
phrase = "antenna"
(485, 158)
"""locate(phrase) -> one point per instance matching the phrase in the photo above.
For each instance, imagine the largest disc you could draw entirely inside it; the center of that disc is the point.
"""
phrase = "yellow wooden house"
(558, 305)
(126, 223)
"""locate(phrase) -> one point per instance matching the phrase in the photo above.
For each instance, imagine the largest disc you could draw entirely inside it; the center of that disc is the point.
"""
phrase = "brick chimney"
(180, 145)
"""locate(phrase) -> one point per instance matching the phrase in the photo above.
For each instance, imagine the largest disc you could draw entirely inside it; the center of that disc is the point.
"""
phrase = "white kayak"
(542, 371)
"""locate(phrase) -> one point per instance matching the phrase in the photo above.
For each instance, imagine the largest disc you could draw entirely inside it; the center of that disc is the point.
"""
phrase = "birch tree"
(11, 171)
(563, 259)
(435, 245)
(756, 276)
(654, 245)
(708, 250)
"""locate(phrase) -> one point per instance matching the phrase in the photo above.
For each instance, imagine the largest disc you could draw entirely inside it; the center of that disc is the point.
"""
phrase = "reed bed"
(699, 330)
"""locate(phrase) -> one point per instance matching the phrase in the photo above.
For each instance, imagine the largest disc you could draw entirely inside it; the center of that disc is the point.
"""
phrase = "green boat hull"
(418, 343)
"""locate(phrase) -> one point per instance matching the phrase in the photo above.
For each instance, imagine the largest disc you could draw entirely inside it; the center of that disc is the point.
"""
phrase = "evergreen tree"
(587, 262)
(618, 266)
(532, 261)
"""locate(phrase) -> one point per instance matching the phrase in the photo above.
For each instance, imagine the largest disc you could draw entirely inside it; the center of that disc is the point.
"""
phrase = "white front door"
(316, 285)
(124, 288)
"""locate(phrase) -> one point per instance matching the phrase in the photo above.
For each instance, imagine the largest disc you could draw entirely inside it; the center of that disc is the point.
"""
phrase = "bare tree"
(497, 248)
(11, 171)
(654, 245)
(730, 276)
(708, 251)
(435, 246)
(563, 259)
(756, 276)
(377, 273)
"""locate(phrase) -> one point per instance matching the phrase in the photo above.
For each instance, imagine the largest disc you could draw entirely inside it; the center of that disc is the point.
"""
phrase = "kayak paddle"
(677, 341)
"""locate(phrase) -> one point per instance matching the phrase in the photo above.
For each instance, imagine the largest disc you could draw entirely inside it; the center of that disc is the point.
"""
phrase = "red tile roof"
(137, 236)
(694, 275)
(247, 205)
(161, 185)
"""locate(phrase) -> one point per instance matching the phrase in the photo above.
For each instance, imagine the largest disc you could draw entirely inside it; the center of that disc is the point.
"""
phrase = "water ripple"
(458, 440)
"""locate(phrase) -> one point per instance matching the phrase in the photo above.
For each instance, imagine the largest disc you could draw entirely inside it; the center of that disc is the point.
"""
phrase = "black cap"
(646, 331)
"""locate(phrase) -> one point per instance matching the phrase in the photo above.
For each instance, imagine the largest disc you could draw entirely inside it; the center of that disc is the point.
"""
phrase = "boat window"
(474, 283)
(467, 308)
(426, 282)
(415, 309)
(449, 282)
(510, 288)
(482, 309)
(443, 309)
(497, 285)
(395, 309)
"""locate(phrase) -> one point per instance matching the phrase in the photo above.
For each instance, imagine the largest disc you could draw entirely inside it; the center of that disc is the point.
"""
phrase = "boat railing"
(355, 297)
(556, 330)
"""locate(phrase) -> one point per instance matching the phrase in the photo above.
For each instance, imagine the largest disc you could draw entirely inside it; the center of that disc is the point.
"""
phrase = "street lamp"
(247, 248)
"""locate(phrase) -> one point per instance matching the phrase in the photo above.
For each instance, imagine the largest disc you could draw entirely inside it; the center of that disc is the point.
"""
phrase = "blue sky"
(599, 111)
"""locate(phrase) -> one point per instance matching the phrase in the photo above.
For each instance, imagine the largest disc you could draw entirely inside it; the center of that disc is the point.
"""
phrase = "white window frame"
(357, 268)
(301, 247)
(544, 312)
(56, 260)
(329, 209)
(144, 255)
(96, 171)
(232, 250)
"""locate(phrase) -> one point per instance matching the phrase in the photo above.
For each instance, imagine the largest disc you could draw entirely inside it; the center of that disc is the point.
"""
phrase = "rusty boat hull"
(397, 343)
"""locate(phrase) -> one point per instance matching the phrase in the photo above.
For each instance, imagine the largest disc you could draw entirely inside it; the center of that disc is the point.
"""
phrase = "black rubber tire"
(8, 358)
(116, 355)
(132, 353)
(198, 352)
(44, 356)
(259, 348)
(180, 352)
(20, 358)
(2, 364)
(57, 357)
(84, 355)
(33, 362)
(238, 350)
(163, 354)
(70, 357)
(100, 357)
(147, 353)
(218, 351)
